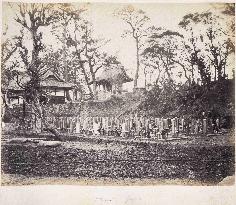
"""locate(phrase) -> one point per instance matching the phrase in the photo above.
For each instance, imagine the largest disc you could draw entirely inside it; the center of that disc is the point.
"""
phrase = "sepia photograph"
(118, 94)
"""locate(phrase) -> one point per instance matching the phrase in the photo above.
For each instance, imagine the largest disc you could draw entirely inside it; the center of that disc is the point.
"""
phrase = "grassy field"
(196, 160)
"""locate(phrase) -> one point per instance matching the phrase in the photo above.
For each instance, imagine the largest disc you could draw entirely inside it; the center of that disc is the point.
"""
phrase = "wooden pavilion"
(111, 81)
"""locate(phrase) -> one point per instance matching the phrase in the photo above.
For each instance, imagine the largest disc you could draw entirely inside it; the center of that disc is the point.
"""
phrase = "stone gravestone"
(77, 126)
(192, 126)
(210, 126)
(204, 126)
(38, 125)
(173, 127)
(177, 126)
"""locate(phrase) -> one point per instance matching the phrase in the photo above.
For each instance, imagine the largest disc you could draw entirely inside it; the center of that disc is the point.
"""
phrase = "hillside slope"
(191, 101)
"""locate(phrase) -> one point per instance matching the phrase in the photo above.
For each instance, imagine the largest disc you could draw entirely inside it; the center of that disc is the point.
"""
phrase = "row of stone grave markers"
(135, 125)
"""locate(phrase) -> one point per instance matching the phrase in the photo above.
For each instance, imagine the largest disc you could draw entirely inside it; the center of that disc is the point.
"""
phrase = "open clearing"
(202, 160)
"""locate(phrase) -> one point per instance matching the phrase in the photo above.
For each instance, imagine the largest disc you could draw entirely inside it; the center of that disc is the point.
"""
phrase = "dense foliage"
(217, 101)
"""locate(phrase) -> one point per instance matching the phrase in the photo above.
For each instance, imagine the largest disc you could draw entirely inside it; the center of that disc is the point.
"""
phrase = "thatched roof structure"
(113, 74)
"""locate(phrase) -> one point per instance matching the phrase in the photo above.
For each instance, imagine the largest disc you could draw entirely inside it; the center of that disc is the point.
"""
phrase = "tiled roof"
(58, 84)
(48, 80)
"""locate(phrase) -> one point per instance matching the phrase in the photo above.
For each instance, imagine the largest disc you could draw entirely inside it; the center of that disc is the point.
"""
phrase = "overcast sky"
(110, 27)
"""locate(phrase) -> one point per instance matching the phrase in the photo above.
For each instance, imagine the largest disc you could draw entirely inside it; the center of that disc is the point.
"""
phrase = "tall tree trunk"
(94, 89)
(215, 74)
(219, 73)
(86, 78)
(224, 72)
(91, 67)
(145, 78)
(3, 106)
(65, 71)
(158, 78)
(41, 118)
(138, 63)
(94, 83)
(185, 71)
(192, 72)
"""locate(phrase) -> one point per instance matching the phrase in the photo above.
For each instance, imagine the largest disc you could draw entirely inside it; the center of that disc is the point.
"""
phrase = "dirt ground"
(195, 160)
